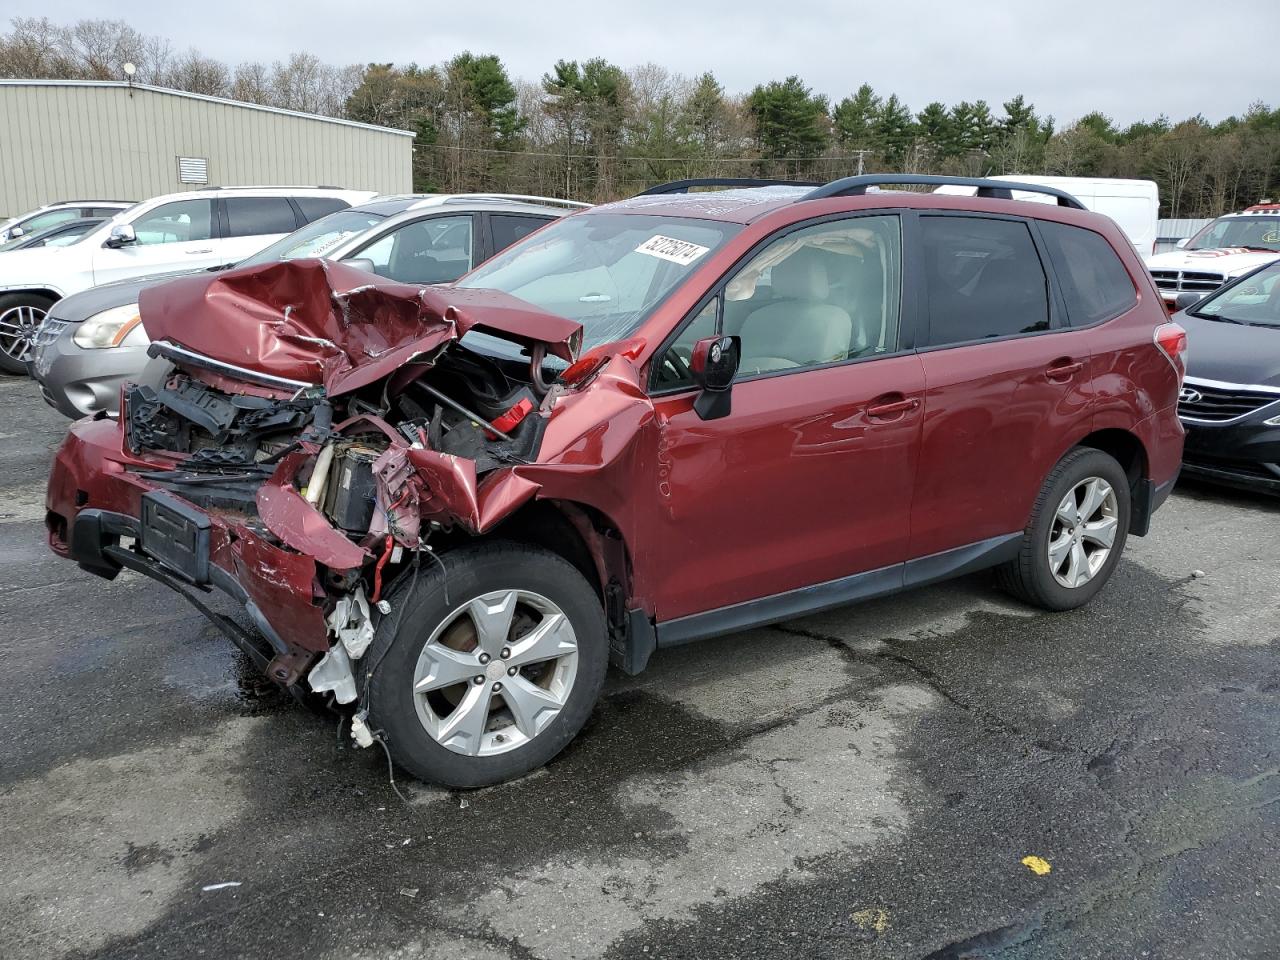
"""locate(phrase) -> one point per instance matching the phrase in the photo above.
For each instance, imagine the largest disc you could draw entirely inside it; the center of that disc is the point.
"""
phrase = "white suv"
(52, 214)
(178, 231)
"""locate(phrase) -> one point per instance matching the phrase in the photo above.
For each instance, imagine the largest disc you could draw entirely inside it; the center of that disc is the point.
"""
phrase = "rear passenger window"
(259, 216)
(507, 230)
(313, 208)
(984, 279)
(1094, 282)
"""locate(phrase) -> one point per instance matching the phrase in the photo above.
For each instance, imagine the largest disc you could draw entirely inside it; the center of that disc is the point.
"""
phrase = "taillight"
(1172, 341)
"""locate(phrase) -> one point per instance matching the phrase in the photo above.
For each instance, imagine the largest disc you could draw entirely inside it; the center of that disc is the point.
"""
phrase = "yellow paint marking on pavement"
(871, 919)
(1038, 865)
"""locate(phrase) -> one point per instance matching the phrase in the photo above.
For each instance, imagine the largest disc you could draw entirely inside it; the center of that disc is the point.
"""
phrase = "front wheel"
(20, 317)
(1076, 534)
(487, 666)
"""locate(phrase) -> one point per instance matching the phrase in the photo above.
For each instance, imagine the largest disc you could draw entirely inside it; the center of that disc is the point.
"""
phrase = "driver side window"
(818, 295)
(179, 222)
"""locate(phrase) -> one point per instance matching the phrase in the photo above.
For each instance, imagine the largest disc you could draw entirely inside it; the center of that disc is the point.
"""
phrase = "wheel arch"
(47, 293)
(594, 544)
(1128, 450)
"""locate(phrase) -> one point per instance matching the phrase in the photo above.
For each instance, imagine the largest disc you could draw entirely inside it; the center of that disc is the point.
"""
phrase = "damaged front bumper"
(105, 514)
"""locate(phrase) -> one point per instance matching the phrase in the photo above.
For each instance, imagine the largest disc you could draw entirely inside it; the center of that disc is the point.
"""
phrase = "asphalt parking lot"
(865, 783)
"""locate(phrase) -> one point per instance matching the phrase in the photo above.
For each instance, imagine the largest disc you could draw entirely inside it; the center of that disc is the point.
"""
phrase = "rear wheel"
(20, 317)
(487, 668)
(1076, 535)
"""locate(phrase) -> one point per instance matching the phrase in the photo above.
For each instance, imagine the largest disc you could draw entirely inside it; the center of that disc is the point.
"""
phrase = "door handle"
(1064, 368)
(889, 408)
(193, 252)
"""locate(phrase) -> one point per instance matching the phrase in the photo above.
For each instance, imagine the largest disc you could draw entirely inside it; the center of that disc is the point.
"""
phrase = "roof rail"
(514, 197)
(992, 189)
(684, 186)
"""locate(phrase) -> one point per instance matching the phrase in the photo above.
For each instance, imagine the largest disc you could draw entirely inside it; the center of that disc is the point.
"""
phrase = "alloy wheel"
(18, 328)
(1083, 532)
(495, 673)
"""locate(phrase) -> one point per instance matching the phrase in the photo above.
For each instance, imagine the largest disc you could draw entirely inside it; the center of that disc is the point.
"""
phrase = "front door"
(173, 236)
(809, 477)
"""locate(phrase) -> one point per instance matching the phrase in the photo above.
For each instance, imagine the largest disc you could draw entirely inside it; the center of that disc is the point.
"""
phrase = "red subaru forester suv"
(681, 415)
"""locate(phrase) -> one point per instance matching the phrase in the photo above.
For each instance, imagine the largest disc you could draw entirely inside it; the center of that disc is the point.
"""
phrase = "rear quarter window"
(1094, 282)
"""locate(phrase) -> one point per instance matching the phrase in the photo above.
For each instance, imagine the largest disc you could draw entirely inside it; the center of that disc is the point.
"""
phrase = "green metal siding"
(71, 141)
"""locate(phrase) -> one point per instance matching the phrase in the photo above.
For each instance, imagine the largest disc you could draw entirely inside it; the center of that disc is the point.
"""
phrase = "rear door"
(808, 479)
(1007, 383)
(182, 235)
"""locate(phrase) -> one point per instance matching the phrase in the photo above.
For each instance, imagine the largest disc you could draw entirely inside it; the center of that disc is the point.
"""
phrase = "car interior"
(425, 251)
(821, 295)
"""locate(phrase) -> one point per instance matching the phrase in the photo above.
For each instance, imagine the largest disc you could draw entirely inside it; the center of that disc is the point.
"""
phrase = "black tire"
(1028, 576)
(11, 301)
(419, 608)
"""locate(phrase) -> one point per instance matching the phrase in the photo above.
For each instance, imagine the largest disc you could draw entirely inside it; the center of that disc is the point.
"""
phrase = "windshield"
(1254, 232)
(1255, 300)
(316, 239)
(607, 271)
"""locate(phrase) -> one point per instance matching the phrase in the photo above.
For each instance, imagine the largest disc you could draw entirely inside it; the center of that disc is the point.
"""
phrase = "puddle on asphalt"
(211, 670)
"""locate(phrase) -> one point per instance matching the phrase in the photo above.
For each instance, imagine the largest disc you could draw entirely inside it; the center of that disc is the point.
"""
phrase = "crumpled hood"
(322, 322)
(1229, 261)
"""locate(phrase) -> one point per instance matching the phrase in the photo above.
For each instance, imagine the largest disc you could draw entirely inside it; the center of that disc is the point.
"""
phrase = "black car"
(1230, 403)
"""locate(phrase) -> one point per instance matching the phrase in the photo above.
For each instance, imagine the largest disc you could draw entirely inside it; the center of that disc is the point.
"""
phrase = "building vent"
(193, 170)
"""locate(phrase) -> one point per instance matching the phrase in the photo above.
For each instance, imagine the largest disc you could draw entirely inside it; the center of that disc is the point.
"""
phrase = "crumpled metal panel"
(300, 525)
(326, 323)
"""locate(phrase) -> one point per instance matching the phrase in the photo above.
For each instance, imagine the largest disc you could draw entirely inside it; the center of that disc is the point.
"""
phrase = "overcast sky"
(1132, 59)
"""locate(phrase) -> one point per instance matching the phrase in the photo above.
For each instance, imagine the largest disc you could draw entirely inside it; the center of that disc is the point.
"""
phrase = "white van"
(1133, 204)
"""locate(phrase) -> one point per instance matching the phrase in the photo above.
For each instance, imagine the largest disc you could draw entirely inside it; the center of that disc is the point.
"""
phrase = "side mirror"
(1182, 243)
(714, 364)
(121, 235)
(1185, 300)
(360, 263)
(15, 233)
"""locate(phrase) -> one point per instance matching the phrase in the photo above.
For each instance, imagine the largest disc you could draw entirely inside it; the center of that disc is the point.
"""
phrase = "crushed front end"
(316, 435)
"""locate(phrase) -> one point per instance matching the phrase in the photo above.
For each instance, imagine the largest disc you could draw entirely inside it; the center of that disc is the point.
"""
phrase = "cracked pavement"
(863, 783)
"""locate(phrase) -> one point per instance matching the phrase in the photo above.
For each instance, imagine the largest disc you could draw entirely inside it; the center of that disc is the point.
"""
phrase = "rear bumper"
(94, 503)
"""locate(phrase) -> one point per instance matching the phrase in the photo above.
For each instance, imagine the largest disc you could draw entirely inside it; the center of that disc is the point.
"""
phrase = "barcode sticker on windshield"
(669, 248)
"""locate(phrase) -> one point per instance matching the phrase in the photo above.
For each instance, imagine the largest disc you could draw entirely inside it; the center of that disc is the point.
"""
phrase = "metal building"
(114, 140)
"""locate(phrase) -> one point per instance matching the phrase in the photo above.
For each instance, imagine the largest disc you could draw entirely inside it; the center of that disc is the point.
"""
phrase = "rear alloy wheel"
(487, 666)
(1076, 535)
(1083, 532)
(20, 318)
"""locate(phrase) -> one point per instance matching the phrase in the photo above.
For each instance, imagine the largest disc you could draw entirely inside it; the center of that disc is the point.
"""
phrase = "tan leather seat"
(798, 328)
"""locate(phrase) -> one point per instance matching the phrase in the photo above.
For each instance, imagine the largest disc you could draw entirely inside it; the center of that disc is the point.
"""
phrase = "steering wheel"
(678, 366)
